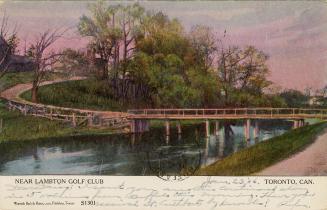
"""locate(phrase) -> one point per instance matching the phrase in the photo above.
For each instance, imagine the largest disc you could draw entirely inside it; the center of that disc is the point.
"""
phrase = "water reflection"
(151, 153)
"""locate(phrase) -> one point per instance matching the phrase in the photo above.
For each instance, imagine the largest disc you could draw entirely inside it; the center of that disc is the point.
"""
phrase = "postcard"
(163, 104)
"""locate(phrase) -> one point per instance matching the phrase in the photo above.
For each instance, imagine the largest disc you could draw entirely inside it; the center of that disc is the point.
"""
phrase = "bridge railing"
(289, 112)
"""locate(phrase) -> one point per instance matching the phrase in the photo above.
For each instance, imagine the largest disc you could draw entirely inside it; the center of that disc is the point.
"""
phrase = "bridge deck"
(237, 113)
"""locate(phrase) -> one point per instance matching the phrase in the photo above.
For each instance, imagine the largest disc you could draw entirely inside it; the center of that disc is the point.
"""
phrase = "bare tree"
(8, 44)
(43, 58)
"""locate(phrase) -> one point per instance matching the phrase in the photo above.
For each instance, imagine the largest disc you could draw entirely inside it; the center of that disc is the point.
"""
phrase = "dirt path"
(310, 162)
(13, 93)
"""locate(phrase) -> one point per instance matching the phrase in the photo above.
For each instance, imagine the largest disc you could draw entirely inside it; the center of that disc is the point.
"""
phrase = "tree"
(203, 41)
(74, 61)
(102, 30)
(242, 70)
(295, 98)
(8, 45)
(42, 58)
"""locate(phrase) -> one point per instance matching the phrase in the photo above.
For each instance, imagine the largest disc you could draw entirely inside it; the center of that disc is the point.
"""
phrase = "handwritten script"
(202, 193)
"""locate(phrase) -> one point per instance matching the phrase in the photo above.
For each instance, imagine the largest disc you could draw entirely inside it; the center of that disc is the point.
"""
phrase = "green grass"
(11, 79)
(264, 154)
(84, 94)
(19, 127)
(14, 78)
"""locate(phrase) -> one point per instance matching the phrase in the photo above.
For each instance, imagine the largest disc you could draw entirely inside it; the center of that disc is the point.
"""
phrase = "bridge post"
(179, 127)
(207, 128)
(167, 127)
(167, 139)
(247, 125)
(217, 127)
(139, 126)
(132, 125)
(221, 142)
(145, 125)
(256, 129)
(295, 124)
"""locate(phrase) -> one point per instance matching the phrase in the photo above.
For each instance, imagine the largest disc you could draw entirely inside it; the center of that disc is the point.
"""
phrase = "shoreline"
(254, 160)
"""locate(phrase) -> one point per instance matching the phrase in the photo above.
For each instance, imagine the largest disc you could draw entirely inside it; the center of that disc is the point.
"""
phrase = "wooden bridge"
(140, 117)
(233, 113)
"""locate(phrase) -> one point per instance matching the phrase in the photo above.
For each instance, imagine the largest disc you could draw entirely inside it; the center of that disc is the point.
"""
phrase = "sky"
(292, 33)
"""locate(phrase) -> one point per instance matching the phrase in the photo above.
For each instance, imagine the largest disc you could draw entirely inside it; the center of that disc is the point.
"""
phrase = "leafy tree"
(295, 98)
(103, 31)
(242, 70)
(74, 61)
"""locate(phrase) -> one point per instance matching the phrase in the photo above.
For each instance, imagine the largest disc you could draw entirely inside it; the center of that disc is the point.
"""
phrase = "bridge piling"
(179, 127)
(139, 126)
(247, 125)
(167, 127)
(221, 145)
(295, 124)
(217, 127)
(256, 129)
(207, 123)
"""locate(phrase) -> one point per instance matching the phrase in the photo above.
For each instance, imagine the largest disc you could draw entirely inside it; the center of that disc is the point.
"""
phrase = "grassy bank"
(19, 127)
(264, 154)
(84, 94)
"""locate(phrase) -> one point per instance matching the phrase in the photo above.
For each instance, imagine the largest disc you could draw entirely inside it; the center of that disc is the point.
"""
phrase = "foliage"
(74, 62)
(295, 98)
(242, 73)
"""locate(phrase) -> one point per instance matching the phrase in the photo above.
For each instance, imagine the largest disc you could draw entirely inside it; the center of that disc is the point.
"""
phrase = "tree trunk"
(105, 73)
(34, 93)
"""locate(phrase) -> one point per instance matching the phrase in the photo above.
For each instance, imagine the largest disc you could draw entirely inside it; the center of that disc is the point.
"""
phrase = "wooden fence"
(74, 116)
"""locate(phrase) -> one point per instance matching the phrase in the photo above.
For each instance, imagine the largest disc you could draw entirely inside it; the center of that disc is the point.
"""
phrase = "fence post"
(1, 124)
(25, 109)
(74, 120)
(51, 114)
(89, 120)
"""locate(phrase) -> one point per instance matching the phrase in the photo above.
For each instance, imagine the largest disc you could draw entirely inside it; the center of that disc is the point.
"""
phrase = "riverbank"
(262, 155)
(17, 127)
